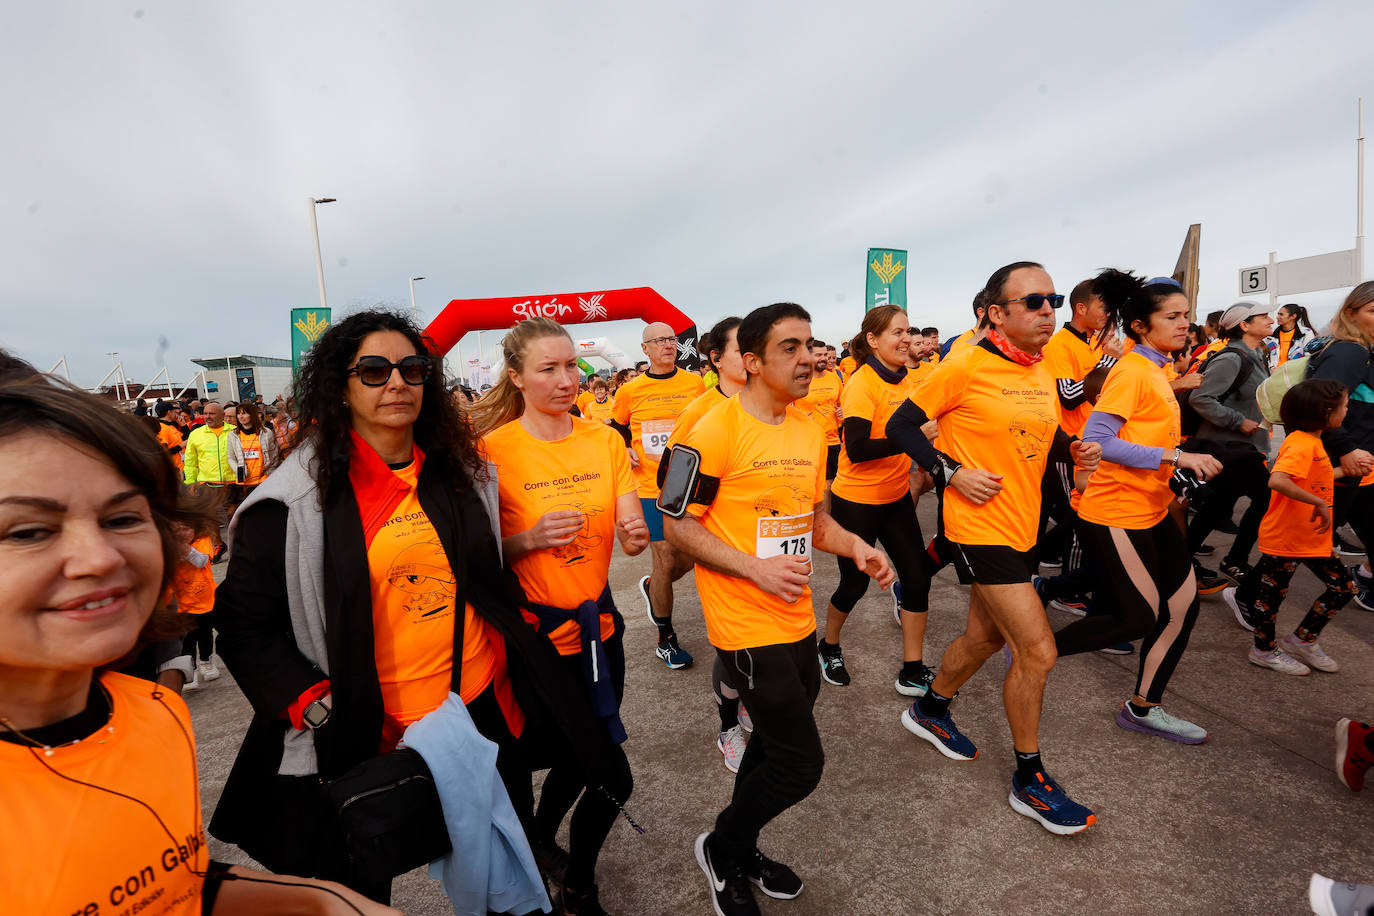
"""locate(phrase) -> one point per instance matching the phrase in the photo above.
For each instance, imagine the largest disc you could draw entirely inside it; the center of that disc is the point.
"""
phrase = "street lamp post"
(315, 229)
(412, 297)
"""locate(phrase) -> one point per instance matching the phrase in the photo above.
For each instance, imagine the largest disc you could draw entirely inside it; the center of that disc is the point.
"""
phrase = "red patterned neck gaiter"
(1011, 351)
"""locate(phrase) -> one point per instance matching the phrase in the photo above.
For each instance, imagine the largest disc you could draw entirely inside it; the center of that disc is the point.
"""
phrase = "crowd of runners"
(417, 600)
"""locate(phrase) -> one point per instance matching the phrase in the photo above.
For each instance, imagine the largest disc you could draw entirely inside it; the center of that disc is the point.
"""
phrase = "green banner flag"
(886, 275)
(306, 327)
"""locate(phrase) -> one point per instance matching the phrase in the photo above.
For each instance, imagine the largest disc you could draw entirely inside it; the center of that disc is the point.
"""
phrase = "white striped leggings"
(1145, 589)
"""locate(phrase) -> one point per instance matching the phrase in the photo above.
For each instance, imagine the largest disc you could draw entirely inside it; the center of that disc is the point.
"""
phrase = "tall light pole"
(315, 229)
(412, 297)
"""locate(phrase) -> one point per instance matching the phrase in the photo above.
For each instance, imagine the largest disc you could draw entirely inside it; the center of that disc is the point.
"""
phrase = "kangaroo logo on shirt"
(576, 552)
(422, 572)
(1032, 432)
(782, 500)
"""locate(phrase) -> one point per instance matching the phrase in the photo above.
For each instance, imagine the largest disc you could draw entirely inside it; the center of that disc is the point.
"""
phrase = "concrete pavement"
(1235, 825)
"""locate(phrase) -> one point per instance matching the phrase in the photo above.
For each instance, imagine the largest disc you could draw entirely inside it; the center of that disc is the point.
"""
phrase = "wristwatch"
(316, 714)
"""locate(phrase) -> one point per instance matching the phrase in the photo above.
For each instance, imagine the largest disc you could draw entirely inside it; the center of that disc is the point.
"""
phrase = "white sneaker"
(1279, 661)
(192, 684)
(1228, 595)
(746, 721)
(207, 670)
(1309, 653)
(731, 744)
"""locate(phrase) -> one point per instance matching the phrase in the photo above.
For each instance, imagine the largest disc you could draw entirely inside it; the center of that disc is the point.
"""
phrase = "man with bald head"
(645, 409)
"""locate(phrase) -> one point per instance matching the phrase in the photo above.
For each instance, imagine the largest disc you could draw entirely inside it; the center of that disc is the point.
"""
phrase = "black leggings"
(201, 640)
(1244, 473)
(1266, 586)
(894, 524)
(595, 813)
(1356, 506)
(1145, 588)
(783, 761)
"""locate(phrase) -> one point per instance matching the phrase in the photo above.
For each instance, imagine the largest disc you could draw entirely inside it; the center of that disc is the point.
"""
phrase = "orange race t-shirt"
(600, 411)
(1288, 529)
(194, 587)
(1069, 356)
(582, 400)
(251, 443)
(585, 471)
(1285, 339)
(998, 416)
(771, 478)
(700, 406)
(883, 480)
(847, 367)
(1136, 498)
(70, 849)
(649, 406)
(962, 342)
(171, 438)
(413, 597)
(822, 404)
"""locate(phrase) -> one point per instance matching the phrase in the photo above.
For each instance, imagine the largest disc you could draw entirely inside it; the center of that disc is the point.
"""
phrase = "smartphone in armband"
(684, 467)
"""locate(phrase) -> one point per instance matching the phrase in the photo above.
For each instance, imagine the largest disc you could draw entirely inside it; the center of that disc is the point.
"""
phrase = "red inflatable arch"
(463, 315)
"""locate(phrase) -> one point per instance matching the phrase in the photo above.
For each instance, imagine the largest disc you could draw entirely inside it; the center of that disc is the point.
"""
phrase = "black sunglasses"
(375, 371)
(1036, 301)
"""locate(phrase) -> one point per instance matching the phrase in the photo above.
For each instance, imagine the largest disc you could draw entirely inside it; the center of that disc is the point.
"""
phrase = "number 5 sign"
(1254, 280)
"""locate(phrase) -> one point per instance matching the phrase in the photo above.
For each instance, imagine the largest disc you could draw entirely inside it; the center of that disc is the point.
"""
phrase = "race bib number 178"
(786, 536)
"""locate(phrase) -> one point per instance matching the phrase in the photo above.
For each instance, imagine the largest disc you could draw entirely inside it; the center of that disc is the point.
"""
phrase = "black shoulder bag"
(388, 806)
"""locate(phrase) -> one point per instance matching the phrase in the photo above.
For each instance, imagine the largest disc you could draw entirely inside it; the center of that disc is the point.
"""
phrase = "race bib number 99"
(653, 435)
(784, 536)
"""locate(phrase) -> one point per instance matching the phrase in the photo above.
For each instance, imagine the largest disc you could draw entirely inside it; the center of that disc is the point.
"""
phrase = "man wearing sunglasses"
(645, 410)
(997, 411)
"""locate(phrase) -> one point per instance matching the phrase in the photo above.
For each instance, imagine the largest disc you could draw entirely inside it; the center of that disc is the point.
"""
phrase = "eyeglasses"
(661, 341)
(375, 371)
(1036, 301)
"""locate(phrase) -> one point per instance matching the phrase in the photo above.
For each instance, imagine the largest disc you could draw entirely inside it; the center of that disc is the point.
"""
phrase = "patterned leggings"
(1265, 587)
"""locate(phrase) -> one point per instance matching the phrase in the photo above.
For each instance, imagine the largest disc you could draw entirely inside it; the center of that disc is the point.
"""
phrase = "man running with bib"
(645, 410)
(751, 520)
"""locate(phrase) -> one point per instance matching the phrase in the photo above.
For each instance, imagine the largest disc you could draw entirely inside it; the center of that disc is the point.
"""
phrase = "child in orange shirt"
(1297, 529)
(193, 585)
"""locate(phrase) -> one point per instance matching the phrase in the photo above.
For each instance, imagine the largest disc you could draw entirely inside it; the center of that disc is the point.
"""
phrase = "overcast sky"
(158, 159)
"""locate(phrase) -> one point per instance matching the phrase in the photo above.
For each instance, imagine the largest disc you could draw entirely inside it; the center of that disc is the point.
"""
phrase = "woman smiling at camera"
(98, 779)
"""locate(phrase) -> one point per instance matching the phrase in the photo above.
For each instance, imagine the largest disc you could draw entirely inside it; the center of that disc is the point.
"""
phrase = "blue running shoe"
(941, 732)
(1044, 801)
(897, 602)
(673, 655)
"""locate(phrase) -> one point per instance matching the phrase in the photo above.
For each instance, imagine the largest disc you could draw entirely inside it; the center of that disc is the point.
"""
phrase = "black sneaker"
(832, 666)
(773, 878)
(918, 686)
(1347, 548)
(1236, 572)
(582, 903)
(552, 860)
(728, 885)
(1208, 582)
(1206, 550)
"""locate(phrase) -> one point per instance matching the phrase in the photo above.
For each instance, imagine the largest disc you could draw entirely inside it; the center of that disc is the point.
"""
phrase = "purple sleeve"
(1102, 428)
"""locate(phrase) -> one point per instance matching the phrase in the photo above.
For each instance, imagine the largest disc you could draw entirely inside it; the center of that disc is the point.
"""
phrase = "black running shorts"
(992, 564)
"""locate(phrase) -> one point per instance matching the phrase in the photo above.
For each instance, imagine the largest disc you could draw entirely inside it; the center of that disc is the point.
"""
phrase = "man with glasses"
(997, 410)
(645, 410)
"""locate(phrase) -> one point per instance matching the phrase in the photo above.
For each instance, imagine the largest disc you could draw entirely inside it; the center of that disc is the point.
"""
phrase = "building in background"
(238, 378)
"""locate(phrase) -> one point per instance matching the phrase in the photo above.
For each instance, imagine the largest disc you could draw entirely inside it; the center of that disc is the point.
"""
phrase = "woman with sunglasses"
(1146, 585)
(366, 586)
(871, 496)
(567, 495)
(98, 780)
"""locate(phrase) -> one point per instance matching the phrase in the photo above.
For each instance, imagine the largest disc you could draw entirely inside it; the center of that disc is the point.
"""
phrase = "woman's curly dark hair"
(441, 430)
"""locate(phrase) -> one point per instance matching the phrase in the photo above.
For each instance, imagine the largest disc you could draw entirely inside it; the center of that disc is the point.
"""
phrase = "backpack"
(1190, 421)
(1271, 391)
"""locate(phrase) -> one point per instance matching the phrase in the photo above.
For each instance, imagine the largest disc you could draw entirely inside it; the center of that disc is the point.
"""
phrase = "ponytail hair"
(715, 340)
(1300, 318)
(1128, 298)
(504, 402)
(876, 321)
